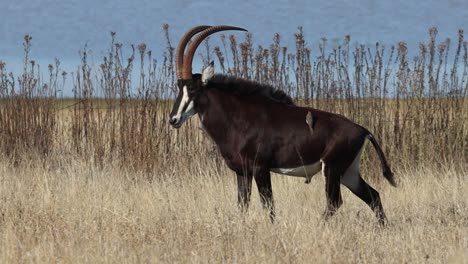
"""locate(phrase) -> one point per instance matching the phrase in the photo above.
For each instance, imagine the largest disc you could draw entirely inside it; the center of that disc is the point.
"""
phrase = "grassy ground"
(93, 180)
(70, 212)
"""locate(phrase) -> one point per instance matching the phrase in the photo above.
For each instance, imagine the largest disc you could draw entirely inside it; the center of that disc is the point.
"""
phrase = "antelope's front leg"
(263, 180)
(244, 189)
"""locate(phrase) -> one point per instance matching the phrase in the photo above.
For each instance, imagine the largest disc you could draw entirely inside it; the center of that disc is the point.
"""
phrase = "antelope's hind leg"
(332, 190)
(263, 181)
(244, 189)
(355, 183)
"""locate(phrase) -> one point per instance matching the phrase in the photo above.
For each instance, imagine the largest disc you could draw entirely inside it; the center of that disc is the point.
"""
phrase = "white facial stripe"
(189, 108)
(183, 102)
(186, 108)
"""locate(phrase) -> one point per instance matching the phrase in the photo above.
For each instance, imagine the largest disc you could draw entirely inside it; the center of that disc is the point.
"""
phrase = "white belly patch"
(306, 171)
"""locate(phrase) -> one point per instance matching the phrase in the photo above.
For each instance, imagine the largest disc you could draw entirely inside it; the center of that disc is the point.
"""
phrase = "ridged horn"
(181, 47)
(188, 58)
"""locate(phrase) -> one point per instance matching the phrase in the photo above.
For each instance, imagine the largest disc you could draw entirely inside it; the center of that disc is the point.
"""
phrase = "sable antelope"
(259, 130)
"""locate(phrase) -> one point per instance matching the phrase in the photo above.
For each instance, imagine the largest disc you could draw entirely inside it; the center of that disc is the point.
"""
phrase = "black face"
(184, 105)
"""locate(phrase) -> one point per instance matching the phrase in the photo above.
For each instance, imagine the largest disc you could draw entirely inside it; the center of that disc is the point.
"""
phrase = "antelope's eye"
(191, 90)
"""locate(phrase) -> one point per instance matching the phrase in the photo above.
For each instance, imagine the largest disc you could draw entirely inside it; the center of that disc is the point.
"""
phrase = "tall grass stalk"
(416, 106)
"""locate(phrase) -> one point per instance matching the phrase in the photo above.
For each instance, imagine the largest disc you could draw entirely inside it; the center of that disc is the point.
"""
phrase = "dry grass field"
(100, 177)
(75, 213)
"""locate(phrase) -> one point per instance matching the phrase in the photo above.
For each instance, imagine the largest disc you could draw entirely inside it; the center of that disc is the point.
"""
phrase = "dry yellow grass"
(88, 180)
(68, 212)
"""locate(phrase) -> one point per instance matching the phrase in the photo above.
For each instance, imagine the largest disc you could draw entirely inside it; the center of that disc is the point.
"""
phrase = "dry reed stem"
(417, 108)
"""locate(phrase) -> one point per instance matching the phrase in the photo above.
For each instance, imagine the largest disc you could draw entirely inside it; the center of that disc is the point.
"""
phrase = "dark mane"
(238, 86)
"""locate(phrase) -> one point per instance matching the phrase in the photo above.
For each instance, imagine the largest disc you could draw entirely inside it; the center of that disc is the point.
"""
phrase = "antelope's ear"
(208, 72)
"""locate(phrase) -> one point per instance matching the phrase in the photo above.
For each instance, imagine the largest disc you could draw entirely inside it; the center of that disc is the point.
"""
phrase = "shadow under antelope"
(259, 130)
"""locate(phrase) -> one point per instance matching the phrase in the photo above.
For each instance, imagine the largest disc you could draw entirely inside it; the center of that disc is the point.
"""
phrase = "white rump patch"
(306, 171)
(351, 176)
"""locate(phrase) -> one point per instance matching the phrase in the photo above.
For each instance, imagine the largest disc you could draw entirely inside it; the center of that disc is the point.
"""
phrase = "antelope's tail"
(387, 172)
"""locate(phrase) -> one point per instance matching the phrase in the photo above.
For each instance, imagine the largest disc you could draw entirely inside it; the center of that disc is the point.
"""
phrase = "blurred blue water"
(60, 28)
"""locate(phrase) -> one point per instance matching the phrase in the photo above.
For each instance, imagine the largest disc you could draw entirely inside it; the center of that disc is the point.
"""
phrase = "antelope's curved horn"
(188, 58)
(181, 47)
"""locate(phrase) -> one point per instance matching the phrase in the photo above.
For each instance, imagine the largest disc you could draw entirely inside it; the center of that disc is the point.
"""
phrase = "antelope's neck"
(217, 112)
